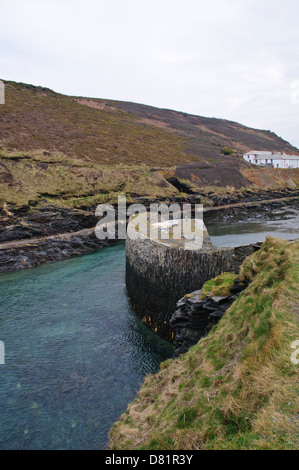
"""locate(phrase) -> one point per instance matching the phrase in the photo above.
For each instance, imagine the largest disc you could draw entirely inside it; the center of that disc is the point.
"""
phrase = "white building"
(272, 159)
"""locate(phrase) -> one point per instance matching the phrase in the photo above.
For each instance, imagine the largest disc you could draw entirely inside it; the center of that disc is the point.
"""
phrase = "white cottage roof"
(273, 155)
(288, 157)
(258, 152)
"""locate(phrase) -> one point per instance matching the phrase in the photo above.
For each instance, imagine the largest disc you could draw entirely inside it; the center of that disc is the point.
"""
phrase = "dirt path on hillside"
(246, 204)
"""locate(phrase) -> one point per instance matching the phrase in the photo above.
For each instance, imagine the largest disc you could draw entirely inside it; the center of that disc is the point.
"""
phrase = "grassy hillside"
(81, 151)
(237, 388)
(36, 176)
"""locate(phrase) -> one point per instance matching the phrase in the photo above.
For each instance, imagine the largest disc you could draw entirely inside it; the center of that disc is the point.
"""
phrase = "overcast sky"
(233, 59)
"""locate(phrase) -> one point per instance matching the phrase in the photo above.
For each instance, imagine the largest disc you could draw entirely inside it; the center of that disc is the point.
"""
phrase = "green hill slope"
(238, 387)
(82, 151)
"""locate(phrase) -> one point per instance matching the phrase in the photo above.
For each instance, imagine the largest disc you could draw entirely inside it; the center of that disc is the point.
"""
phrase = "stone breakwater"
(159, 274)
(195, 316)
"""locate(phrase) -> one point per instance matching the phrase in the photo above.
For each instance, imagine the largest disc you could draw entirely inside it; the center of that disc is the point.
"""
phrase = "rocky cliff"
(196, 313)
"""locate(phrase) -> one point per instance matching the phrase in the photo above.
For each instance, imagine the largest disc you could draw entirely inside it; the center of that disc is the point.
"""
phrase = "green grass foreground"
(238, 387)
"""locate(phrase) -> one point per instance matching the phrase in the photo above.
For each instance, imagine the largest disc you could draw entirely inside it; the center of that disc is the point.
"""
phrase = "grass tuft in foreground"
(220, 286)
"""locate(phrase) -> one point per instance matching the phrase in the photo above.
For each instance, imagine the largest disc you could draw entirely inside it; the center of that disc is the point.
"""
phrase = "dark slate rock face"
(45, 221)
(195, 317)
(48, 251)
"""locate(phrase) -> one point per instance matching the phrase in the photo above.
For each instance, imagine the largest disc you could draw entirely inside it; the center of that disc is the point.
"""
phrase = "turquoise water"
(75, 353)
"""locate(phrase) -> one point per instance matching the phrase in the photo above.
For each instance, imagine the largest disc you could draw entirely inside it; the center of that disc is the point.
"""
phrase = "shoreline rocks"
(264, 210)
(48, 251)
(195, 316)
(45, 221)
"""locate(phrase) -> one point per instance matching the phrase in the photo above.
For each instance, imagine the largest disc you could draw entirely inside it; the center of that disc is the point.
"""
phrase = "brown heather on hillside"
(81, 151)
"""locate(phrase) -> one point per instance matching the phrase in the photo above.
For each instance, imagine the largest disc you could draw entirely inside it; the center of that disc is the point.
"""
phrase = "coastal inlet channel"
(75, 352)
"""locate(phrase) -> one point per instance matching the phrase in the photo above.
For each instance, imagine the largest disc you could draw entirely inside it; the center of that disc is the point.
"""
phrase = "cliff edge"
(236, 388)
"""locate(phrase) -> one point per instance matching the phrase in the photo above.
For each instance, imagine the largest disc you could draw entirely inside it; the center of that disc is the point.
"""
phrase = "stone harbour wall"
(157, 276)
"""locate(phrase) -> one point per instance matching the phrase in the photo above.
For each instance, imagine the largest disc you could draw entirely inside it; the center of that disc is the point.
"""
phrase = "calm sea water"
(280, 223)
(75, 352)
